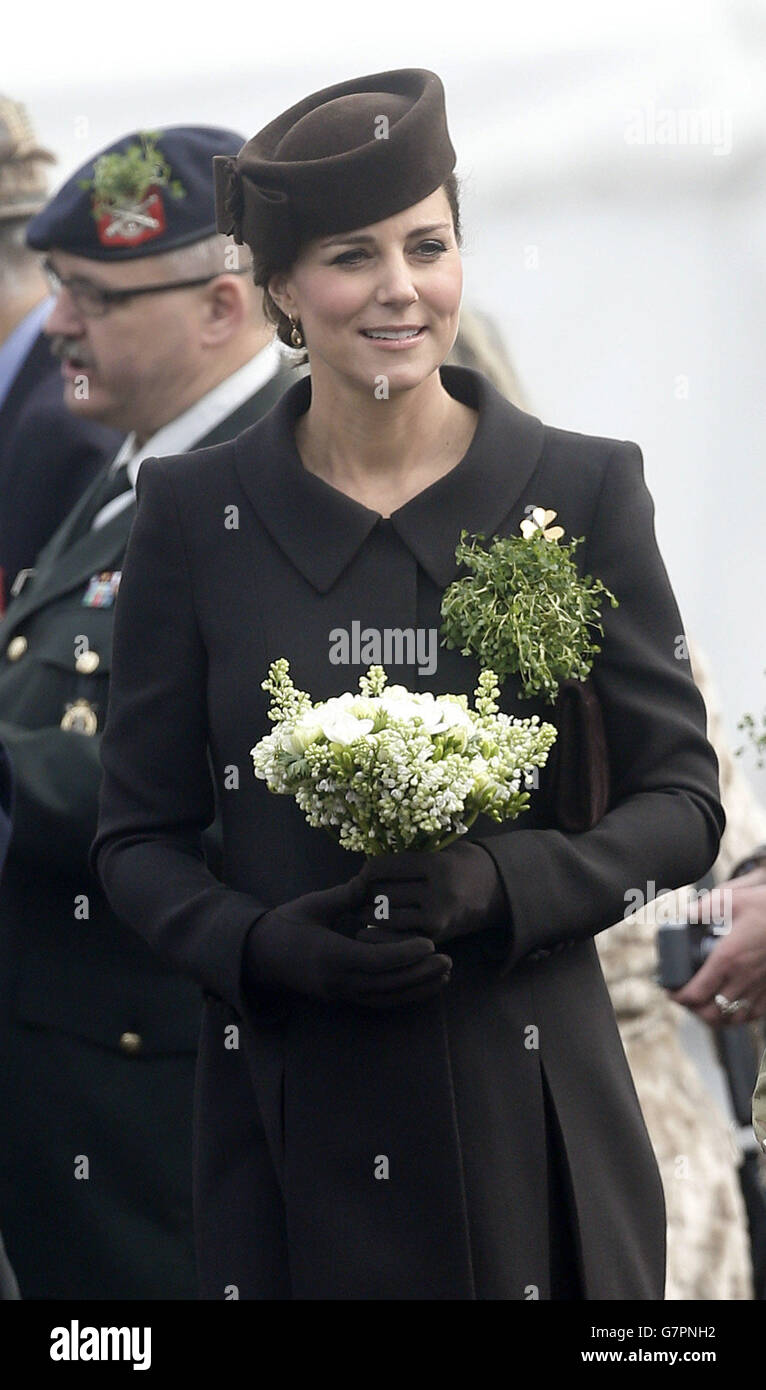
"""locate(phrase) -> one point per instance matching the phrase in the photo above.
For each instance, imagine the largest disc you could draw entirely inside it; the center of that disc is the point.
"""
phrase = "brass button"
(87, 662)
(131, 1043)
(80, 717)
(16, 647)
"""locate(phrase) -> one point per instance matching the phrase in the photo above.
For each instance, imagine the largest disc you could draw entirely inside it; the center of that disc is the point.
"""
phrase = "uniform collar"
(201, 418)
(320, 529)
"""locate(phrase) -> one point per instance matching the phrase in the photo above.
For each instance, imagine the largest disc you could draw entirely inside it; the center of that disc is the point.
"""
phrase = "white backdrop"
(613, 172)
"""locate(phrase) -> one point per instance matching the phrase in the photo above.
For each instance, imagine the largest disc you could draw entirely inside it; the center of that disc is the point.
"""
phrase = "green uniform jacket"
(98, 1035)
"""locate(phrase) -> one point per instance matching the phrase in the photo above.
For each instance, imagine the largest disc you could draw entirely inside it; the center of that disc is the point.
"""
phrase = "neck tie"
(116, 483)
(111, 485)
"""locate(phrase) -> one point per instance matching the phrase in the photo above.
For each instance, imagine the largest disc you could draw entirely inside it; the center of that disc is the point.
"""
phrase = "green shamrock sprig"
(523, 609)
(122, 180)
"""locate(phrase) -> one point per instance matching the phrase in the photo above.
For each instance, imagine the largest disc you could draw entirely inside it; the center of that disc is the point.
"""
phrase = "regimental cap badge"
(127, 203)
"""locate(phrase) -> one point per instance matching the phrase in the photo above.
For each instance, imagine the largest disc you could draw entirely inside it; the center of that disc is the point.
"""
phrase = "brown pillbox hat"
(345, 157)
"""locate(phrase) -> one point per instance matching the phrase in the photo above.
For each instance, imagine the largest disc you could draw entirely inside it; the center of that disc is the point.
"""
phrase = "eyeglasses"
(93, 301)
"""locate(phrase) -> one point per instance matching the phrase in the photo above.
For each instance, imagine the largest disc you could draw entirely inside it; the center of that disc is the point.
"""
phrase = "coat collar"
(320, 529)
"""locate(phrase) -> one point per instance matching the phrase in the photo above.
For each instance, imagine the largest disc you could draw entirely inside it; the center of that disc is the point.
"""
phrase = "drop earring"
(296, 337)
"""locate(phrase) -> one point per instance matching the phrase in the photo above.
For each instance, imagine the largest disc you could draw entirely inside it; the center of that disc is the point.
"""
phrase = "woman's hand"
(439, 894)
(294, 947)
(736, 967)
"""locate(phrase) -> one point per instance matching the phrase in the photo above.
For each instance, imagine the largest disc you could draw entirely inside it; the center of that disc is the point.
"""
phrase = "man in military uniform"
(160, 335)
(48, 455)
(9, 1289)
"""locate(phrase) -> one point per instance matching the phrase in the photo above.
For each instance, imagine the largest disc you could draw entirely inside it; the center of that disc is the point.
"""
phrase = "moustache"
(69, 350)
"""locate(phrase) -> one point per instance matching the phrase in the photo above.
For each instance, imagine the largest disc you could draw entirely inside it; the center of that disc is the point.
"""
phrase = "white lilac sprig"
(389, 769)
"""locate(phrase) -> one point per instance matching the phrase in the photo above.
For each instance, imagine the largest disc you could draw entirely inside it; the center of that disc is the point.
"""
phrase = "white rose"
(298, 739)
(341, 727)
(333, 705)
(454, 714)
(408, 706)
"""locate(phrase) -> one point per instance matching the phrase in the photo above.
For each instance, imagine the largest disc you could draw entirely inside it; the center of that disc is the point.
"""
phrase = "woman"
(441, 1109)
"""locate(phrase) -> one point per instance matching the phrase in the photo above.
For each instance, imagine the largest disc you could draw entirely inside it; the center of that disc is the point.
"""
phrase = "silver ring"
(729, 1006)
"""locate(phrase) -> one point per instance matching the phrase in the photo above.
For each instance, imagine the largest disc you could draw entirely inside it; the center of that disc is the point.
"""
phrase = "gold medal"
(80, 718)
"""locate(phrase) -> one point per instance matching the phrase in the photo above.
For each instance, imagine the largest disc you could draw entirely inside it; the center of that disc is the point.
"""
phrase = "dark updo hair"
(264, 268)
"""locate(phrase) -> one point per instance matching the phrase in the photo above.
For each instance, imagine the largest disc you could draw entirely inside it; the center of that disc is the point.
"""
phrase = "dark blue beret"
(149, 192)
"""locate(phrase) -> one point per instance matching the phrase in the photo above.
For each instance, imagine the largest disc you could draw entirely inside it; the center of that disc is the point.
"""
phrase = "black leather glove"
(295, 948)
(440, 894)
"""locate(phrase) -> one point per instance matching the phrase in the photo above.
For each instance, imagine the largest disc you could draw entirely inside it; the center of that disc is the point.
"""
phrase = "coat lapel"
(91, 553)
(61, 566)
(480, 492)
(320, 529)
(317, 527)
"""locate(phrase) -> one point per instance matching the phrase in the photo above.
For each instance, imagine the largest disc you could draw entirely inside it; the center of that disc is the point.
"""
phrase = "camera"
(683, 947)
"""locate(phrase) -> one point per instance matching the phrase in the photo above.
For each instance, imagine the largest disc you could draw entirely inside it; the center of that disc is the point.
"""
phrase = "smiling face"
(383, 300)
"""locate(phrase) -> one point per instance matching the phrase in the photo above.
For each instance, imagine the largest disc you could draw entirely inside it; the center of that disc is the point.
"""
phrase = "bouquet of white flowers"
(388, 769)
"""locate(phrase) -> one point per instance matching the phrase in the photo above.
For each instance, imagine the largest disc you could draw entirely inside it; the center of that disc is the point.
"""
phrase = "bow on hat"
(243, 202)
